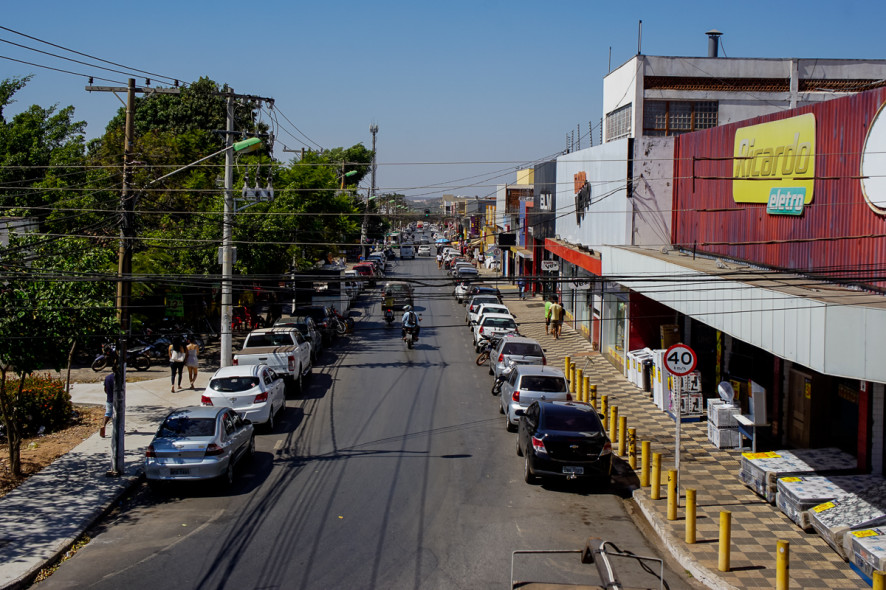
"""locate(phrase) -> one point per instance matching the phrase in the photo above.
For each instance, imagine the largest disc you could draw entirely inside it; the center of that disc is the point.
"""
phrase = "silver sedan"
(198, 443)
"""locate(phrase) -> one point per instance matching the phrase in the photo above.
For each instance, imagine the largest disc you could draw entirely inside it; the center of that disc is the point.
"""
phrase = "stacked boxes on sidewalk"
(797, 495)
(722, 426)
(866, 549)
(833, 520)
(640, 368)
(761, 471)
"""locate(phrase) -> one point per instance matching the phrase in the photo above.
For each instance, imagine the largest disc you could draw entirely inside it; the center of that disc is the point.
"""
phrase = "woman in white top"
(177, 354)
(191, 360)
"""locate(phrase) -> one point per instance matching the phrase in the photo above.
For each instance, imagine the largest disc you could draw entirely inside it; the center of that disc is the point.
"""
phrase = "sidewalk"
(713, 473)
(42, 518)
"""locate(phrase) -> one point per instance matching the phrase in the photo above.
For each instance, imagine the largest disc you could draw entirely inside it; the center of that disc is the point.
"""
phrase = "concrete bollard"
(879, 580)
(579, 379)
(690, 516)
(613, 423)
(644, 464)
(622, 435)
(672, 494)
(725, 535)
(655, 492)
(604, 409)
(782, 564)
(632, 448)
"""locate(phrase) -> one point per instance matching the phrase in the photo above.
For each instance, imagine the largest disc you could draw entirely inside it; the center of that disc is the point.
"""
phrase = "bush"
(43, 403)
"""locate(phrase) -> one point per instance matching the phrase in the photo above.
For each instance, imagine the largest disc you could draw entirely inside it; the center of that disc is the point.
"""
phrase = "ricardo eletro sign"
(774, 163)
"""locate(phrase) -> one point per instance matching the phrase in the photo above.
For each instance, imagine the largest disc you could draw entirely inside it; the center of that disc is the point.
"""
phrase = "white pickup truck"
(283, 349)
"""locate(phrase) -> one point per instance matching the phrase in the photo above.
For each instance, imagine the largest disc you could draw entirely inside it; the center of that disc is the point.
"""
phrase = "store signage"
(582, 196)
(873, 162)
(775, 161)
(581, 285)
(786, 201)
(544, 201)
(550, 265)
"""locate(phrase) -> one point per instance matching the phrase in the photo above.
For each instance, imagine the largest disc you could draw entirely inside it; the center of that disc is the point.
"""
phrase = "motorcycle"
(502, 377)
(389, 317)
(135, 357)
(411, 336)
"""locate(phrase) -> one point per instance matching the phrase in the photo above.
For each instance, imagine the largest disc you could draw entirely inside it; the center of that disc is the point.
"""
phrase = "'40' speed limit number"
(680, 360)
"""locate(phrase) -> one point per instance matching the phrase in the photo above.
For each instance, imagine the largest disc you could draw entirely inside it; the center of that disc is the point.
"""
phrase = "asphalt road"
(394, 470)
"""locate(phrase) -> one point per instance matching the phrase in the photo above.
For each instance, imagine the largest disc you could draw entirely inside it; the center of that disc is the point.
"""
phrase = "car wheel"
(156, 485)
(228, 475)
(508, 426)
(501, 410)
(519, 449)
(528, 477)
(250, 450)
(299, 383)
(269, 425)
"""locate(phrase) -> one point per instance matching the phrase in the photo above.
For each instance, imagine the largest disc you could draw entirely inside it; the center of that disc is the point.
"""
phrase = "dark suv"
(322, 319)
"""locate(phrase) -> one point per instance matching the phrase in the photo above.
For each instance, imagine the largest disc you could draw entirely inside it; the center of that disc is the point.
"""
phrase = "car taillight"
(205, 400)
(501, 358)
(607, 448)
(516, 395)
(291, 360)
(538, 445)
(544, 361)
(213, 449)
(262, 397)
(149, 452)
(481, 330)
(235, 362)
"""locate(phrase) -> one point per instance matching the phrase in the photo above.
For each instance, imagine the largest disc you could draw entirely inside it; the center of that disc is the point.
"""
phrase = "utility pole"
(227, 229)
(364, 230)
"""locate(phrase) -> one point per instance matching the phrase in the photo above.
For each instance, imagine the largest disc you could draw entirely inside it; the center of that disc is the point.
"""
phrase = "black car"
(483, 290)
(563, 439)
(324, 322)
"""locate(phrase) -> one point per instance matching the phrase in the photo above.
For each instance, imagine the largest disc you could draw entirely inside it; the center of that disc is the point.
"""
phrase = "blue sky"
(459, 90)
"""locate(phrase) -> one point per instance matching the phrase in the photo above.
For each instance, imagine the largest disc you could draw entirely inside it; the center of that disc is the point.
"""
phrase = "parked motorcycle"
(135, 357)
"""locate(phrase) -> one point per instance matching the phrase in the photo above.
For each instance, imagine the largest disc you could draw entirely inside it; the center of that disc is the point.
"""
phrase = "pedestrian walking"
(521, 284)
(548, 305)
(191, 361)
(109, 402)
(177, 355)
(556, 318)
(439, 260)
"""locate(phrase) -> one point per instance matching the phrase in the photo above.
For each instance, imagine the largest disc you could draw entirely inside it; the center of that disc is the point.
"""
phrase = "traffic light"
(427, 212)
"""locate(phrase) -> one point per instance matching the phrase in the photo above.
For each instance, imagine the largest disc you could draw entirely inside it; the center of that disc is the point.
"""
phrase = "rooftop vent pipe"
(713, 42)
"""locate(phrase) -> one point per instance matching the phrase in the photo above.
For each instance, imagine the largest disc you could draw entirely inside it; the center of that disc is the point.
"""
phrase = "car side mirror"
(601, 416)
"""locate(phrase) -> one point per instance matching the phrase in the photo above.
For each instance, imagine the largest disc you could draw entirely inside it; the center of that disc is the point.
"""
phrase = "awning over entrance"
(575, 256)
(522, 252)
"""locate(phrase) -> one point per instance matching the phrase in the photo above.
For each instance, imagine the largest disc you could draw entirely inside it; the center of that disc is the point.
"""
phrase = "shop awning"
(522, 252)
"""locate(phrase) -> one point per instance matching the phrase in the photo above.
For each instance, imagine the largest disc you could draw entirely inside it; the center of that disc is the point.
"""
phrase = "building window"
(672, 117)
(618, 123)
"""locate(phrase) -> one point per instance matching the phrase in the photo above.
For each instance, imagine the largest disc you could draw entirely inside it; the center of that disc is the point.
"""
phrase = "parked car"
(473, 312)
(367, 272)
(466, 274)
(493, 324)
(308, 328)
(256, 392)
(563, 439)
(424, 250)
(475, 301)
(198, 443)
(528, 383)
(407, 251)
(462, 287)
(358, 280)
(513, 351)
(484, 290)
(323, 320)
(283, 349)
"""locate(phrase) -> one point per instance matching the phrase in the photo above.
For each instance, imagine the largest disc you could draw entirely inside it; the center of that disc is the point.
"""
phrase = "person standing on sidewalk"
(191, 361)
(177, 354)
(556, 318)
(521, 284)
(548, 305)
(109, 402)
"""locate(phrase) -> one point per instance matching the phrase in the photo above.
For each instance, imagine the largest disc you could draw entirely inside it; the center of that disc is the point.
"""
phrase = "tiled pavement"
(713, 473)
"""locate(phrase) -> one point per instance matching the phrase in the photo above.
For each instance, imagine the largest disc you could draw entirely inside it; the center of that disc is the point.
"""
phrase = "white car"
(255, 392)
(424, 250)
(493, 324)
(484, 308)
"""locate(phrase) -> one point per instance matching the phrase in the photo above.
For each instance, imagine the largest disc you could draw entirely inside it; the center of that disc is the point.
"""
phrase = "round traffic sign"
(680, 360)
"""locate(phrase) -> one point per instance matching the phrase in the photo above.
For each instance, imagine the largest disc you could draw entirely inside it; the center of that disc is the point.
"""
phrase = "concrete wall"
(653, 194)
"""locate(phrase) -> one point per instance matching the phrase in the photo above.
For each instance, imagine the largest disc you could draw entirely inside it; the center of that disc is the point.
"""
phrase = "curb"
(675, 545)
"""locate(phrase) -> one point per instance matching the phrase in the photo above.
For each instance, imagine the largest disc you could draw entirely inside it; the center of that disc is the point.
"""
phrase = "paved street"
(394, 470)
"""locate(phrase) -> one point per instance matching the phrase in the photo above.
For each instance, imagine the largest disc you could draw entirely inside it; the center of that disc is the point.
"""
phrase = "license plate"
(185, 471)
(575, 470)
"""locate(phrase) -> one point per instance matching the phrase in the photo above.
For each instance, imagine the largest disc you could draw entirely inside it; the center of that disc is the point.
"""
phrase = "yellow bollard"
(782, 564)
(632, 448)
(593, 394)
(644, 464)
(655, 492)
(613, 423)
(586, 389)
(690, 516)
(579, 377)
(604, 409)
(879, 579)
(622, 435)
(566, 362)
(725, 534)
(672, 494)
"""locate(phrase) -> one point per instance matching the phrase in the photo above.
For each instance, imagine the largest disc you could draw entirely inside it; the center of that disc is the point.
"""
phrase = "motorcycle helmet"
(407, 308)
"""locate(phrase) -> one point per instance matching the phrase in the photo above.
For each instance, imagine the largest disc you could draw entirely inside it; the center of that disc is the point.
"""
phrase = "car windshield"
(179, 425)
(270, 339)
(578, 421)
(499, 323)
(233, 384)
(495, 310)
(522, 348)
(546, 383)
(477, 301)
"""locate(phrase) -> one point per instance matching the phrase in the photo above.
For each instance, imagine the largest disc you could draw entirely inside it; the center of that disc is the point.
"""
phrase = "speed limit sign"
(680, 360)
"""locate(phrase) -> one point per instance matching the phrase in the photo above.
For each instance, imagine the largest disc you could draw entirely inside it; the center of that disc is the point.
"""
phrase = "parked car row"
(556, 436)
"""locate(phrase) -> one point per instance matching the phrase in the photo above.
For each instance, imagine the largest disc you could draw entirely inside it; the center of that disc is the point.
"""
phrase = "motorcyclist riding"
(410, 320)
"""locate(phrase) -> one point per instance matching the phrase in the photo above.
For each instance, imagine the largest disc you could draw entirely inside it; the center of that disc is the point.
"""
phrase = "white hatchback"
(493, 324)
(256, 392)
